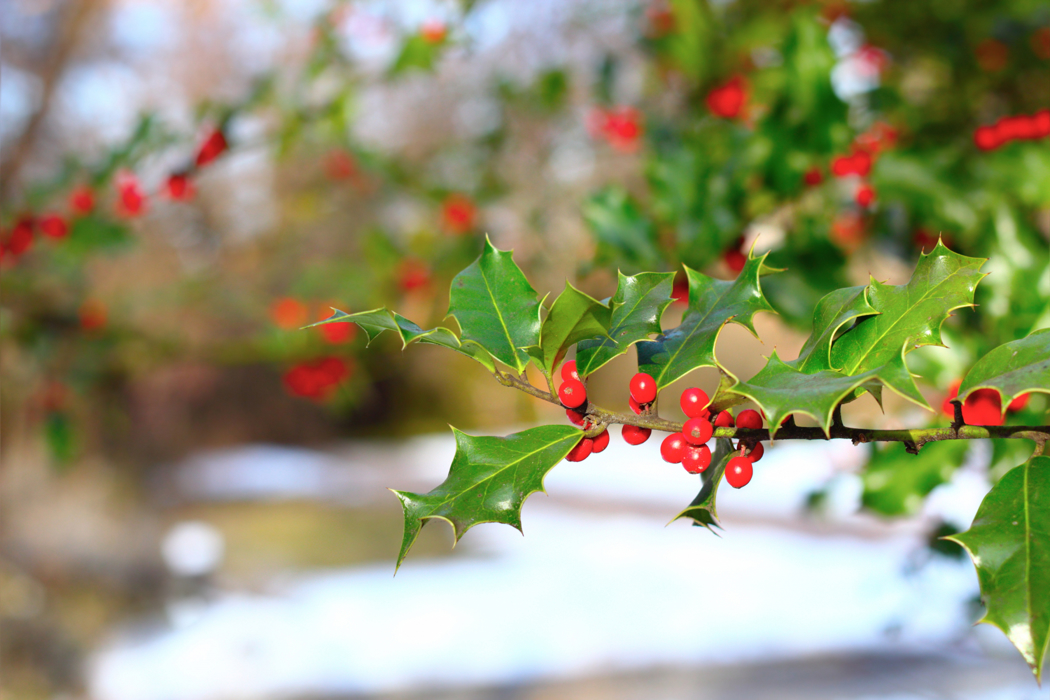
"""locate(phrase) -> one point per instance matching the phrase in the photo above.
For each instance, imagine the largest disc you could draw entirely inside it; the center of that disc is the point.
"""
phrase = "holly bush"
(744, 157)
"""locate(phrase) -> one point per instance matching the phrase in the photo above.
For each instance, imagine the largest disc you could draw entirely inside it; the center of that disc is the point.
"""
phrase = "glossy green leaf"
(489, 480)
(909, 314)
(376, 321)
(712, 304)
(896, 482)
(1012, 369)
(832, 312)
(496, 307)
(574, 316)
(637, 306)
(1009, 542)
(703, 510)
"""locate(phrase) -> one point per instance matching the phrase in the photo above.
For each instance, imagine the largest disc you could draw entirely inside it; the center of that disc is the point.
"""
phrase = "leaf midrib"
(872, 345)
(606, 341)
(499, 315)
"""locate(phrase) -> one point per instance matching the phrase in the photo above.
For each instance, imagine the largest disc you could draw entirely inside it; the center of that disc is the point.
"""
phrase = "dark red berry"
(575, 417)
(635, 406)
(213, 147)
(568, 371)
(694, 403)
(697, 459)
(54, 226)
(739, 472)
(672, 449)
(633, 435)
(697, 431)
(749, 419)
(735, 259)
(600, 442)
(643, 388)
(724, 419)
(572, 393)
(582, 450)
(756, 452)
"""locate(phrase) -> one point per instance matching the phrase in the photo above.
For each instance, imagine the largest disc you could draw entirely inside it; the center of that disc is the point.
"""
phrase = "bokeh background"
(193, 502)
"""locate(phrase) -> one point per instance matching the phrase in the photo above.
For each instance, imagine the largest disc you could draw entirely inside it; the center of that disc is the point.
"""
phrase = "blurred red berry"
(1041, 43)
(433, 31)
(735, 260)
(54, 226)
(992, 55)
(339, 165)
(986, 138)
(179, 187)
(623, 129)
(728, 99)
(82, 200)
(865, 195)
(659, 16)
(814, 176)
(458, 214)
(21, 238)
(680, 291)
(131, 201)
(214, 145)
(289, 313)
(412, 275)
(924, 239)
(847, 231)
(338, 333)
(93, 315)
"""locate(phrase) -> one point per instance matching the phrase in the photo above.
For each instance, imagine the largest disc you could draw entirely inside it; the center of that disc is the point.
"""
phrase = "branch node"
(911, 447)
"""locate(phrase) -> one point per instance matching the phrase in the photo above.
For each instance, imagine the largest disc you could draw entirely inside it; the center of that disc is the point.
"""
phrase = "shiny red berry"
(633, 435)
(697, 431)
(600, 442)
(694, 403)
(756, 452)
(635, 406)
(749, 419)
(739, 472)
(568, 371)
(582, 450)
(697, 459)
(575, 417)
(572, 393)
(724, 419)
(643, 388)
(672, 449)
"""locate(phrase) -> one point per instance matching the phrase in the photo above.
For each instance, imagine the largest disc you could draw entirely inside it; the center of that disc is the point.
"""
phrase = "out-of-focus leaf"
(489, 480)
(496, 307)
(896, 482)
(416, 53)
(1016, 368)
(1009, 542)
(626, 237)
(637, 306)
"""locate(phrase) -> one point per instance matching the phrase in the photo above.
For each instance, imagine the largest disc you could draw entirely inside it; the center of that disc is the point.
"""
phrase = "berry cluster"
(1019, 128)
(317, 379)
(688, 447)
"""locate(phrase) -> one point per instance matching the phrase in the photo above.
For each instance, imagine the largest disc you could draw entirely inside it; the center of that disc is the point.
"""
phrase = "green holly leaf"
(638, 305)
(712, 304)
(1012, 369)
(416, 53)
(1009, 542)
(702, 510)
(626, 237)
(574, 316)
(909, 314)
(496, 307)
(896, 482)
(832, 312)
(376, 321)
(489, 480)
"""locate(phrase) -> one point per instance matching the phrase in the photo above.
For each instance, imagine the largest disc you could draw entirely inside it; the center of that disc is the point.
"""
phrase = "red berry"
(82, 200)
(694, 403)
(339, 165)
(633, 435)
(728, 100)
(212, 148)
(697, 459)
(635, 406)
(572, 393)
(756, 452)
(21, 238)
(813, 176)
(643, 388)
(131, 201)
(724, 419)
(582, 450)
(433, 31)
(458, 214)
(697, 431)
(749, 419)
(54, 226)
(672, 449)
(289, 313)
(739, 472)
(179, 187)
(735, 259)
(680, 290)
(338, 333)
(865, 195)
(412, 274)
(575, 417)
(568, 371)
(601, 442)
(1019, 403)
